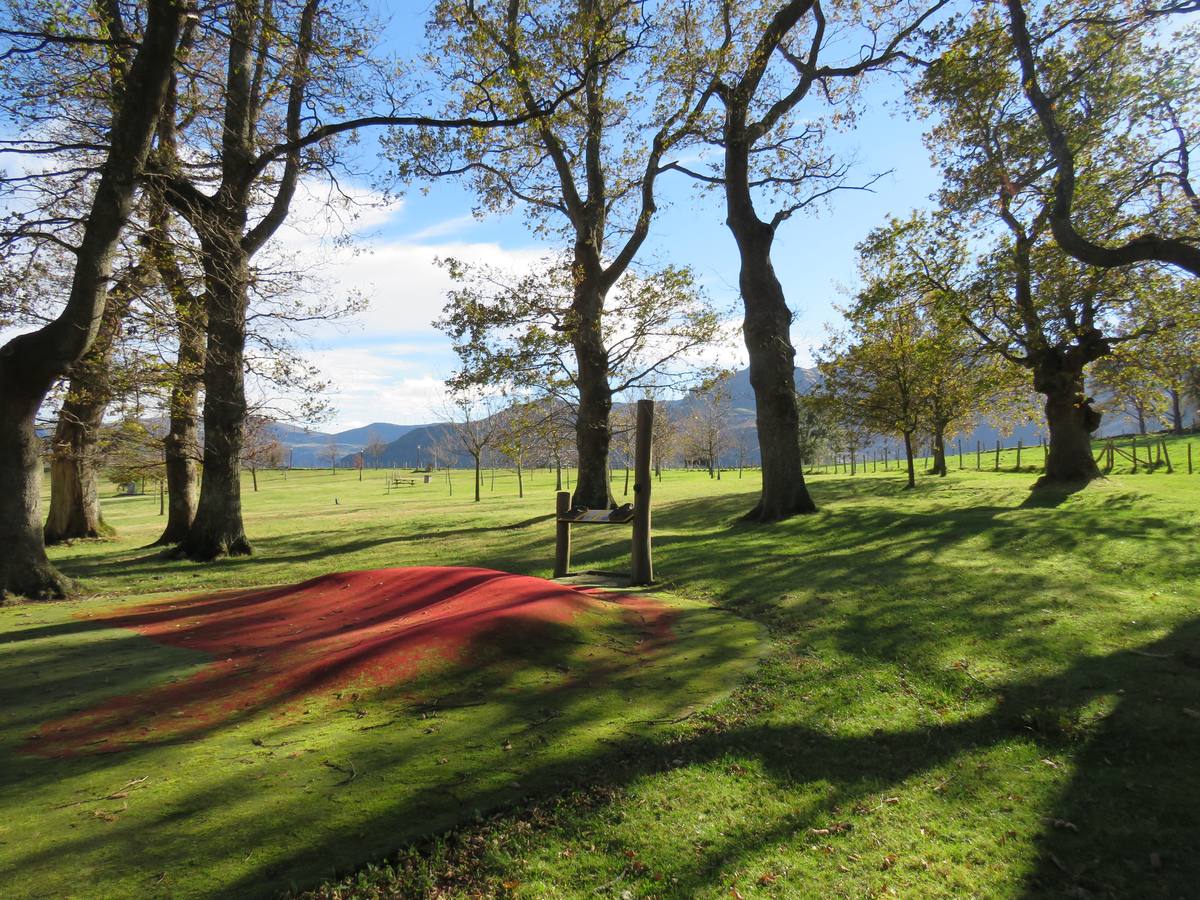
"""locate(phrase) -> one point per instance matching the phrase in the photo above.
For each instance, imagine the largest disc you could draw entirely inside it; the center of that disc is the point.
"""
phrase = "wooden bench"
(396, 482)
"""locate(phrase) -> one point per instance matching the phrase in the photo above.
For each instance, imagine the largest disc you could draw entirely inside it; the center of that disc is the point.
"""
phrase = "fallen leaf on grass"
(835, 828)
(888, 861)
(110, 815)
(767, 878)
(736, 894)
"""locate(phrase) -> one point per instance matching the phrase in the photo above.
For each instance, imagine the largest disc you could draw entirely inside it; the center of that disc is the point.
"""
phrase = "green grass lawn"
(969, 690)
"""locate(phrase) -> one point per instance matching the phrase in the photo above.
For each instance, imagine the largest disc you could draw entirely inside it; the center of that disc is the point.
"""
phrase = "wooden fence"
(1142, 454)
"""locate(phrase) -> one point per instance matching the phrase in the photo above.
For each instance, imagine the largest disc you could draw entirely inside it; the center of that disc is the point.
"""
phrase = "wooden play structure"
(636, 514)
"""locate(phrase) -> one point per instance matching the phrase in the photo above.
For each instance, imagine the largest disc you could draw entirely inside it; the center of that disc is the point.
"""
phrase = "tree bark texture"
(1071, 421)
(31, 362)
(908, 455)
(181, 448)
(24, 568)
(766, 327)
(592, 488)
(217, 529)
(74, 497)
(939, 451)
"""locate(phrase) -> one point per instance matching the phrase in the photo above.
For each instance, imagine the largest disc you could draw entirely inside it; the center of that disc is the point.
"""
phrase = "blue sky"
(388, 365)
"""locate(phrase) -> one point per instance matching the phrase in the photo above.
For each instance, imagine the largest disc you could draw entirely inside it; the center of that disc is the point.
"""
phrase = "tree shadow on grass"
(406, 760)
(876, 580)
(1123, 825)
(1052, 494)
(293, 549)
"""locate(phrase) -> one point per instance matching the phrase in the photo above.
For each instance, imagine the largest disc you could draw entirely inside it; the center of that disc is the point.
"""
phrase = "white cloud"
(406, 287)
(443, 229)
(388, 362)
(321, 213)
(806, 347)
(381, 384)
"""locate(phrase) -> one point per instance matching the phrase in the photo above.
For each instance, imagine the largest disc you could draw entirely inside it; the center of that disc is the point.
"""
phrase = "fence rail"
(1141, 454)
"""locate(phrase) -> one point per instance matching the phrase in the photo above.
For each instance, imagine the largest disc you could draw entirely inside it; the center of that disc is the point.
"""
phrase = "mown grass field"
(969, 689)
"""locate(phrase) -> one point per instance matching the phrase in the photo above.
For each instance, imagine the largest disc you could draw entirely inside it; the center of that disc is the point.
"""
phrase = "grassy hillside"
(971, 689)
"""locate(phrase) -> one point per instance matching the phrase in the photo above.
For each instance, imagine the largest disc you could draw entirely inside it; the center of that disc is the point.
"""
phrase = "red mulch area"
(276, 645)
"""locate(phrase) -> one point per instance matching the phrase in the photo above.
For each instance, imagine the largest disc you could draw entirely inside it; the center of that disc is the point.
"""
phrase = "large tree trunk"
(182, 445)
(24, 568)
(592, 488)
(766, 328)
(1071, 421)
(939, 450)
(217, 529)
(908, 455)
(74, 498)
(1176, 411)
(31, 362)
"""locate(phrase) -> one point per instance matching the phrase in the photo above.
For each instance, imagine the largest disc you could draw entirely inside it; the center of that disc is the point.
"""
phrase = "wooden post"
(1166, 456)
(1133, 453)
(641, 562)
(978, 455)
(1189, 457)
(1018, 455)
(997, 467)
(562, 534)
(960, 459)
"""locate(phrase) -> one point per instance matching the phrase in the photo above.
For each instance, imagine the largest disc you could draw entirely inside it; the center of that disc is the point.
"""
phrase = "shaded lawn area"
(139, 768)
(971, 691)
(975, 691)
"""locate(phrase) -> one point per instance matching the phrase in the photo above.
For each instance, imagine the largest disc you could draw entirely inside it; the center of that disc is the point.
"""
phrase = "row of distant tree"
(167, 142)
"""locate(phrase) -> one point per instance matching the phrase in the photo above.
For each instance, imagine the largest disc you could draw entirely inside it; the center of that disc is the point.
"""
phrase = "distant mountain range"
(305, 448)
(415, 445)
